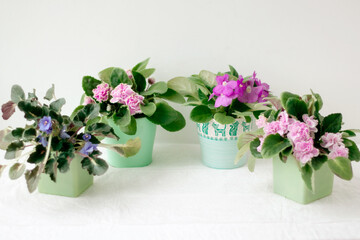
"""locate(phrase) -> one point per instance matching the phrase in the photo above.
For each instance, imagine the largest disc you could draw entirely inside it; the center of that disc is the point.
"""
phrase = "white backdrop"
(293, 45)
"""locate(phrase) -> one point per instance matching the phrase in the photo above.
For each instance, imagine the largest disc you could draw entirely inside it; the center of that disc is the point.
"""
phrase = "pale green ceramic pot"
(289, 183)
(70, 184)
(219, 143)
(146, 131)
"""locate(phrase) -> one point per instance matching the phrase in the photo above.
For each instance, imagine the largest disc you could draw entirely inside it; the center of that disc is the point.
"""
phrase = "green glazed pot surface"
(219, 143)
(70, 184)
(146, 131)
(289, 183)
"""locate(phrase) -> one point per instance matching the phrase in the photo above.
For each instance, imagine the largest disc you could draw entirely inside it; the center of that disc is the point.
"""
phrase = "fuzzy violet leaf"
(17, 170)
(201, 114)
(141, 65)
(14, 149)
(306, 174)
(285, 96)
(102, 129)
(89, 84)
(8, 110)
(332, 123)
(130, 148)
(94, 165)
(32, 178)
(148, 109)
(57, 105)
(341, 167)
(118, 76)
(274, 144)
(159, 87)
(50, 93)
(172, 96)
(17, 94)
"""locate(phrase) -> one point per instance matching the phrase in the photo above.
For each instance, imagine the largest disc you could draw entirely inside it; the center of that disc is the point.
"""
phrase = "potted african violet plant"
(133, 104)
(224, 107)
(63, 150)
(307, 149)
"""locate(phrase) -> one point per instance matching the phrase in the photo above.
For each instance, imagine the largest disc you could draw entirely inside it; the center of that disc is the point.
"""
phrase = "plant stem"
(46, 155)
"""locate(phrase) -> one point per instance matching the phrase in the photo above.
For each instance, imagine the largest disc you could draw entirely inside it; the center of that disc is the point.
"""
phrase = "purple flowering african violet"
(255, 91)
(88, 148)
(63, 133)
(250, 91)
(226, 90)
(45, 124)
(86, 137)
(42, 140)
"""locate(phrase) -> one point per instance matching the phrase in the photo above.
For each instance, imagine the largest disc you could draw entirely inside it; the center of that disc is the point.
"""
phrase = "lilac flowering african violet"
(296, 128)
(123, 96)
(223, 96)
(53, 140)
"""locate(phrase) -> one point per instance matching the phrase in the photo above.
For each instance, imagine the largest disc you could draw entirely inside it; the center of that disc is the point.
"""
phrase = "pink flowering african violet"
(88, 100)
(133, 102)
(334, 143)
(121, 93)
(338, 151)
(226, 91)
(125, 95)
(101, 92)
(255, 91)
(250, 91)
(299, 133)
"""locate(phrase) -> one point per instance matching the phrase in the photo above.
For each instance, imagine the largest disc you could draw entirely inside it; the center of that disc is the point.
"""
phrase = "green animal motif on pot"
(219, 130)
(198, 127)
(246, 127)
(205, 128)
(234, 129)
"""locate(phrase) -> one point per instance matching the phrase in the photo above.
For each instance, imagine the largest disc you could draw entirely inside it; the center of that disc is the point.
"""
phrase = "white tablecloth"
(176, 197)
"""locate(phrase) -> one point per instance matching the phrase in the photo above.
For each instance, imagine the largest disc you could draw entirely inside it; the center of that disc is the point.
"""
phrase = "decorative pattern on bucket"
(289, 183)
(219, 143)
(216, 131)
(70, 184)
(146, 132)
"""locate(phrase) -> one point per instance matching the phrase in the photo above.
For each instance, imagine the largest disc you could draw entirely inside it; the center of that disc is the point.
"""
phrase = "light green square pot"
(70, 184)
(146, 131)
(289, 183)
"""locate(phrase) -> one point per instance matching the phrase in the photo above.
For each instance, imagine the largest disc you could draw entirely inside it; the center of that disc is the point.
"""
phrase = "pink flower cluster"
(250, 91)
(125, 95)
(334, 143)
(299, 133)
(101, 92)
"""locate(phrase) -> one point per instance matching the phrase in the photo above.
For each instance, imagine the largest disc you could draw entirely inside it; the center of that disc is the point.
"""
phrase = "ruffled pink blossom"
(285, 122)
(311, 122)
(331, 140)
(272, 128)
(339, 151)
(121, 93)
(101, 92)
(304, 151)
(133, 102)
(88, 100)
(261, 122)
(298, 131)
